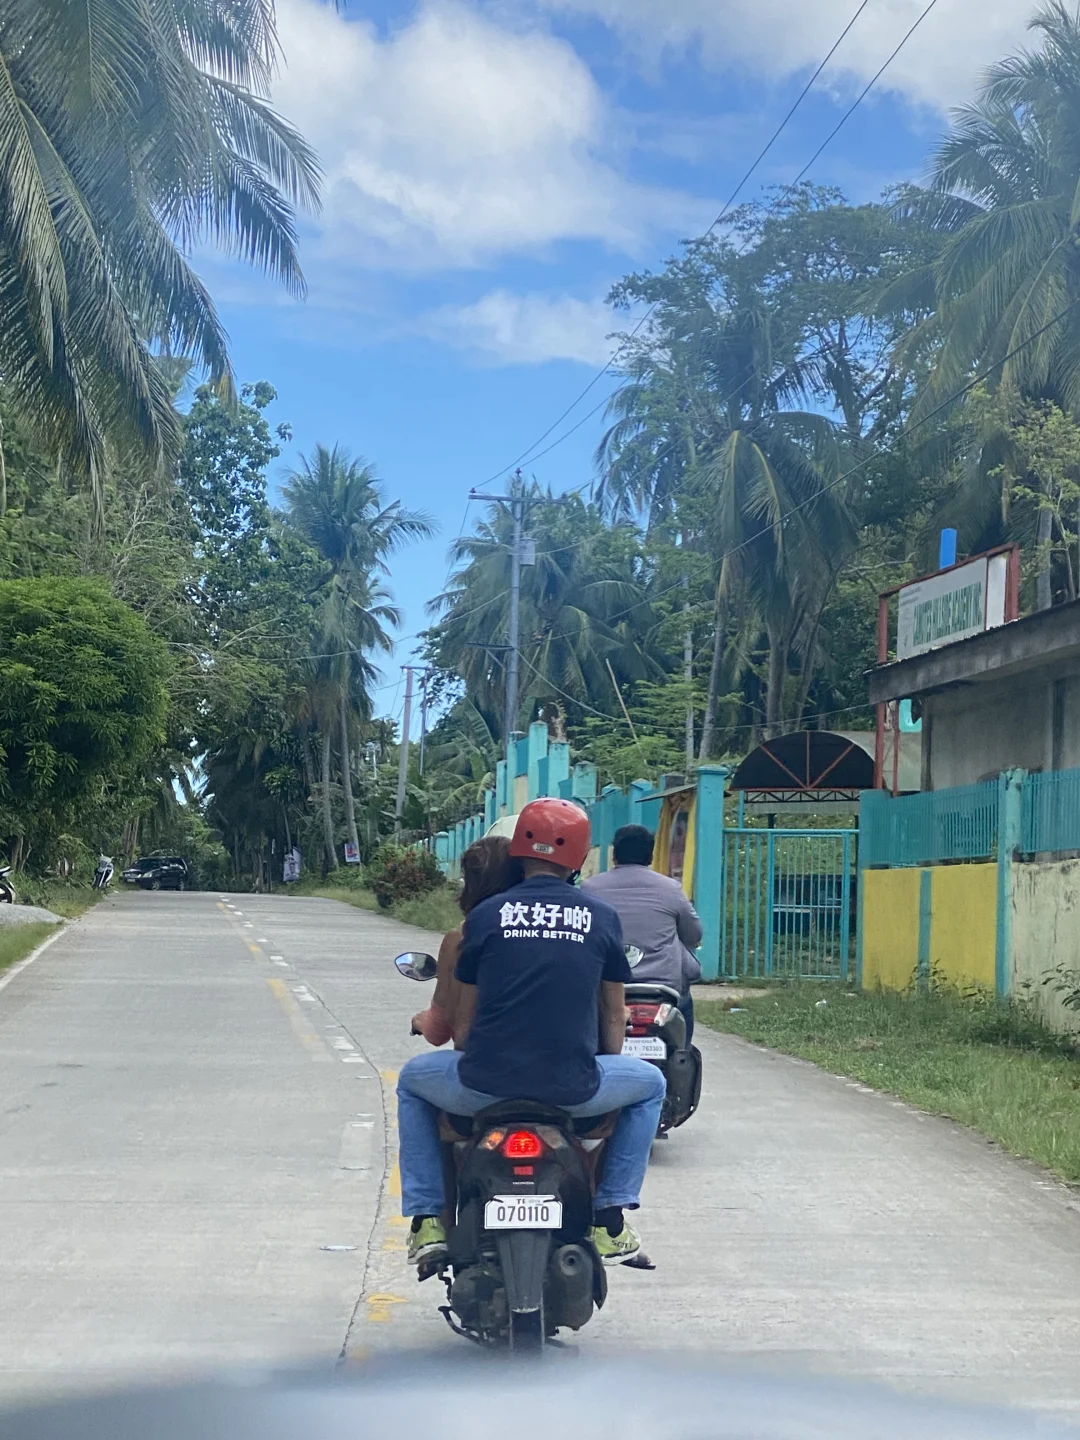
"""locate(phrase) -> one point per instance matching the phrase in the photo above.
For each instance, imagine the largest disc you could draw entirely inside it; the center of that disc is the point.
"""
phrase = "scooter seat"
(529, 1112)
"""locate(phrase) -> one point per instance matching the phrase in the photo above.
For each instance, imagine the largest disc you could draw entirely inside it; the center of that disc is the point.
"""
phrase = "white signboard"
(947, 607)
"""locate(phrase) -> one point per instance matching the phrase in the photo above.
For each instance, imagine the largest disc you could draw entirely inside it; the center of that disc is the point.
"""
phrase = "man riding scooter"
(656, 916)
(542, 968)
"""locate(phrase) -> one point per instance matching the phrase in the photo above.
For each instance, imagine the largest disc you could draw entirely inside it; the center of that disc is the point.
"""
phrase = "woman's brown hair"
(487, 868)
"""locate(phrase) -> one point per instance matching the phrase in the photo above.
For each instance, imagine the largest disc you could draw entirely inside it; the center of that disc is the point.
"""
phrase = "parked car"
(159, 872)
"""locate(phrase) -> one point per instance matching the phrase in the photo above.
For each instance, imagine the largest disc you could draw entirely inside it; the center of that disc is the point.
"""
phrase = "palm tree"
(583, 605)
(706, 428)
(335, 503)
(129, 133)
(1002, 295)
(1002, 197)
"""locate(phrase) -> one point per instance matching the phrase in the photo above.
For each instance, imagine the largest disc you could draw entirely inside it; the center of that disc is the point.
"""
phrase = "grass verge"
(988, 1064)
(62, 897)
(17, 941)
(436, 910)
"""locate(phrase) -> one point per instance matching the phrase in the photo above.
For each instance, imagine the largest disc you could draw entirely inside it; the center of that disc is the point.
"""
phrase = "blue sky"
(492, 166)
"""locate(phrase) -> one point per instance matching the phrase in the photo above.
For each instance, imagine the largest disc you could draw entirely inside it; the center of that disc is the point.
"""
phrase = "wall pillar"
(709, 863)
(538, 749)
(1010, 809)
(558, 766)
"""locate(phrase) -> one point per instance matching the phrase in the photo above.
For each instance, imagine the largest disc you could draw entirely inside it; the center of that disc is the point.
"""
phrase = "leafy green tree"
(82, 702)
(755, 480)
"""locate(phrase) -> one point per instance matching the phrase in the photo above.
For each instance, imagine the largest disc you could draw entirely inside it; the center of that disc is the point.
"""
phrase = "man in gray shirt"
(656, 916)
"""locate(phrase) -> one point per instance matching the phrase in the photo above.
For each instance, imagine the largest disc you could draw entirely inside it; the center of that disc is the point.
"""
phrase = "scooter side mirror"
(634, 956)
(415, 965)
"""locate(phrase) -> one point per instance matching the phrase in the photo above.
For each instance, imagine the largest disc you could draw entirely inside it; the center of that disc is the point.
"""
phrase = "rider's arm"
(612, 1017)
(687, 922)
(437, 1022)
(465, 1012)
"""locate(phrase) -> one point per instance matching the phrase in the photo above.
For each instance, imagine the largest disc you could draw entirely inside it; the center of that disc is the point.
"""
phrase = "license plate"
(523, 1212)
(645, 1047)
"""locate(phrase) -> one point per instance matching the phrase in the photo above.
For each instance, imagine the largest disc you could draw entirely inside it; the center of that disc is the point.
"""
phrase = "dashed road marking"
(357, 1145)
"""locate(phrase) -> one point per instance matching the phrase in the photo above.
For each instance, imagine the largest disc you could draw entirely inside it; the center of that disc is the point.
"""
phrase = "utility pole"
(403, 748)
(516, 501)
(423, 716)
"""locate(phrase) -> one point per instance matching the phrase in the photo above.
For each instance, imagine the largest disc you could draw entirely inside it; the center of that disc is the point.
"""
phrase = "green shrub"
(397, 874)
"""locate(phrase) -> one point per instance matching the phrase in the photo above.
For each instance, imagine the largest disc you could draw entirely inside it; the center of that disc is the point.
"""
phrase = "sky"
(492, 167)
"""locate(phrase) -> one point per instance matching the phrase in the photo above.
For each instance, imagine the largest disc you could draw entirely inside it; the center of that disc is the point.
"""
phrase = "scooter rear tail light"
(522, 1145)
(641, 1017)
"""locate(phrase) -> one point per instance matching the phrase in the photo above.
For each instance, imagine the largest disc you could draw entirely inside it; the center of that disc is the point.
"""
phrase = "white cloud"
(939, 66)
(454, 140)
(527, 329)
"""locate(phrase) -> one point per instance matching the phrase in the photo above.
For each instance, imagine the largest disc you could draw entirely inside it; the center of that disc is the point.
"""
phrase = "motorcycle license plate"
(523, 1212)
(645, 1047)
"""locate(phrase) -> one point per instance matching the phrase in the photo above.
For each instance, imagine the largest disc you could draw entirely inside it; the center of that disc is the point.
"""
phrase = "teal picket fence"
(926, 829)
(1050, 812)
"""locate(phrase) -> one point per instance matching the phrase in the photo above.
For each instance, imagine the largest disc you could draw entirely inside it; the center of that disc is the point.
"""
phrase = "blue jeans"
(429, 1083)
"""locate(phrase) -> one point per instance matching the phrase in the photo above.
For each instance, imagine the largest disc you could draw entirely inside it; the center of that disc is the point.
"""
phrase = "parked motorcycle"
(104, 873)
(522, 1177)
(7, 889)
(657, 1033)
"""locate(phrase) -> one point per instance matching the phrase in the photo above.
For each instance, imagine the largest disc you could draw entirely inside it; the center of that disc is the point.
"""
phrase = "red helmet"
(552, 830)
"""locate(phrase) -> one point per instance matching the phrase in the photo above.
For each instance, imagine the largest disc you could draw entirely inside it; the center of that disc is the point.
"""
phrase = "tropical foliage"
(807, 396)
(802, 400)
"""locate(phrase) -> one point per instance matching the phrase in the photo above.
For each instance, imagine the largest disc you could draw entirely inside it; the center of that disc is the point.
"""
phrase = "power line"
(771, 209)
(855, 104)
(526, 454)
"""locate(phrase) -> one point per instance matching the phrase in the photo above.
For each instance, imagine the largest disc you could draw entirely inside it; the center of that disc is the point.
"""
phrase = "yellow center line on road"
(309, 1037)
(379, 1307)
(393, 1182)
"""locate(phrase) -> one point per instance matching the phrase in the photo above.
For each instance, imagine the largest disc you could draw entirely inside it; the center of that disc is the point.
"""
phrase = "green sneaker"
(614, 1249)
(427, 1241)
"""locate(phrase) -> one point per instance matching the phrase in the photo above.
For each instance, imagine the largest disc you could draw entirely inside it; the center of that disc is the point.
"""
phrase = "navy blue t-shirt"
(537, 954)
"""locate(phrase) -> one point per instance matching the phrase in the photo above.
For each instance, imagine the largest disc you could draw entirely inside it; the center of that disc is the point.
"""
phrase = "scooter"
(519, 1265)
(657, 1033)
(104, 873)
(7, 889)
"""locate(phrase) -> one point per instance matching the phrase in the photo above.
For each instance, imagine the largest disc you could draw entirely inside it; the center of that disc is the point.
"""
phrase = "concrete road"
(197, 1167)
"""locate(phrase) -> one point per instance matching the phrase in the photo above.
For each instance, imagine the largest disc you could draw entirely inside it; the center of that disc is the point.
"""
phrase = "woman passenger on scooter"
(487, 868)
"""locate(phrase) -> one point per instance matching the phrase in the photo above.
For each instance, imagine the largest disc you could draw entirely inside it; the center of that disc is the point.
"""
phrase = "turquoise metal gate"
(788, 904)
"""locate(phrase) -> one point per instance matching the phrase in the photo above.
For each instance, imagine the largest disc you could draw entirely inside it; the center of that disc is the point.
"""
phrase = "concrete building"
(1005, 698)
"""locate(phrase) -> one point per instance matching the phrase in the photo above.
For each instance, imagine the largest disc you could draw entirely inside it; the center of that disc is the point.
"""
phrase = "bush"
(397, 874)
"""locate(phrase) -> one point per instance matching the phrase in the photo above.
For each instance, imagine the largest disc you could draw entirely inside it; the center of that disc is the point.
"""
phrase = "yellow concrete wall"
(963, 924)
(890, 949)
(1045, 904)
